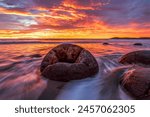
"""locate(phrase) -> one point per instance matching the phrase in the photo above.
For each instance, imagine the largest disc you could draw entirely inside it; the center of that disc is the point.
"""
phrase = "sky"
(74, 18)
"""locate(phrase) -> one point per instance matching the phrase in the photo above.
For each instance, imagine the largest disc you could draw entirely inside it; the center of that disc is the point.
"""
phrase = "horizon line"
(75, 38)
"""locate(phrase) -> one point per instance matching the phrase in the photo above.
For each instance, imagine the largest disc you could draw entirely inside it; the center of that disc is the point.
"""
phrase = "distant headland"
(130, 38)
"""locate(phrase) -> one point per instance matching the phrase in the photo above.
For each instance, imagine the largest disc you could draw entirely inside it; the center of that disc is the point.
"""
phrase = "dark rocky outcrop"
(68, 62)
(137, 82)
(136, 57)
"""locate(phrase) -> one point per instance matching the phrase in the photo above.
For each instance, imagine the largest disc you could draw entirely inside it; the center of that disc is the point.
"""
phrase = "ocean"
(20, 61)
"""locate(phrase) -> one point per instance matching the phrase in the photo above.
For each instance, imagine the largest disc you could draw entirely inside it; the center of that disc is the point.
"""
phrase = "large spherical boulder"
(68, 62)
(137, 82)
(136, 57)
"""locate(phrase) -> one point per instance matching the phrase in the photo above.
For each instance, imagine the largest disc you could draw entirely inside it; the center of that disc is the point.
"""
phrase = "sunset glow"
(74, 18)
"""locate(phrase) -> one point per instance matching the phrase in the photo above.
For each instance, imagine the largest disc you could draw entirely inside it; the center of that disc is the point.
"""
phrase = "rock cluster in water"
(68, 62)
(136, 81)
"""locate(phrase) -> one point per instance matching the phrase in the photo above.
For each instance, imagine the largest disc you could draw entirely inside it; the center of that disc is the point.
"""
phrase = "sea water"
(20, 76)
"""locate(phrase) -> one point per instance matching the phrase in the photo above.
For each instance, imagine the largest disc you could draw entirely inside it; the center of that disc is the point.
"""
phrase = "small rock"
(35, 56)
(105, 43)
(138, 44)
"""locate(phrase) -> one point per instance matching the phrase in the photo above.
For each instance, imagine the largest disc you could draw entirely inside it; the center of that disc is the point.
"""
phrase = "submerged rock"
(136, 57)
(68, 62)
(137, 83)
(35, 55)
(138, 44)
(105, 43)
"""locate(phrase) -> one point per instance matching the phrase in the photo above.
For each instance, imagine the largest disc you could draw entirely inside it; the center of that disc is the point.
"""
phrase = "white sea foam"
(86, 89)
(95, 88)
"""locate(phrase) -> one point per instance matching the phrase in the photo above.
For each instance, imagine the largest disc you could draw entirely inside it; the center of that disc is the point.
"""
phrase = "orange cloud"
(105, 32)
(14, 12)
(73, 4)
(75, 19)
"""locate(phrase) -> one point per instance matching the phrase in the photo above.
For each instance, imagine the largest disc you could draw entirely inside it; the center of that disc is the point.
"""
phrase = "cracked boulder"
(68, 62)
(137, 82)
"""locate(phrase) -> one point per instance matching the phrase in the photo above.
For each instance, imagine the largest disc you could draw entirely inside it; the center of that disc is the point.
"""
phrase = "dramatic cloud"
(74, 18)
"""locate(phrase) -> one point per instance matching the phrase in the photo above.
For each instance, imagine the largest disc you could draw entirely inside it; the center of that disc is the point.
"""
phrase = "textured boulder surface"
(136, 57)
(137, 82)
(68, 62)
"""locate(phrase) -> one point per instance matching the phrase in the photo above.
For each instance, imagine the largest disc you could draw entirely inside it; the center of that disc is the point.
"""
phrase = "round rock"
(68, 62)
(137, 83)
(141, 57)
